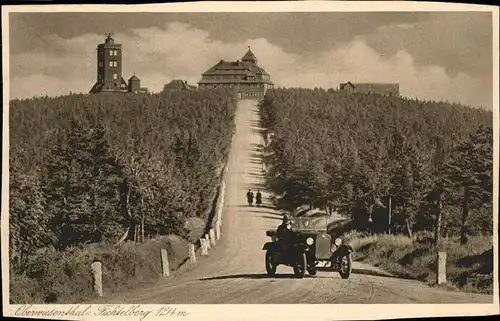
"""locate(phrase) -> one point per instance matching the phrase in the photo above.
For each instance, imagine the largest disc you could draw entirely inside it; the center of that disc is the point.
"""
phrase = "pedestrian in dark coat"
(258, 198)
(250, 198)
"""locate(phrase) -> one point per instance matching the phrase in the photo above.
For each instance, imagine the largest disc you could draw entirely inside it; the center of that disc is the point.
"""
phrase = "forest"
(427, 163)
(111, 168)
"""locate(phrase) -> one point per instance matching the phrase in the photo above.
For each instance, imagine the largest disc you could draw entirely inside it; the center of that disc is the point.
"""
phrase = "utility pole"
(390, 214)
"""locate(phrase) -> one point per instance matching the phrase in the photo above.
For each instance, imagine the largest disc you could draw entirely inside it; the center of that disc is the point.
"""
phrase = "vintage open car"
(309, 246)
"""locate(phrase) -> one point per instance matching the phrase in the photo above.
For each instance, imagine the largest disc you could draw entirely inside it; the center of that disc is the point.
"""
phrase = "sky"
(432, 55)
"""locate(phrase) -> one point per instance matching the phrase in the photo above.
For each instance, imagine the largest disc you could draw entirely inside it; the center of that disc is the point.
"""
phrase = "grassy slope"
(416, 258)
(65, 277)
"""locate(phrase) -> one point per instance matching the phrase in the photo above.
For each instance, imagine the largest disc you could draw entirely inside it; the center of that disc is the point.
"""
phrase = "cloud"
(179, 51)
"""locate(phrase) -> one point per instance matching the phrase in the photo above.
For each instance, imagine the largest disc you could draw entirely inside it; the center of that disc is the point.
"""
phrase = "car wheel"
(312, 270)
(270, 266)
(345, 266)
(299, 268)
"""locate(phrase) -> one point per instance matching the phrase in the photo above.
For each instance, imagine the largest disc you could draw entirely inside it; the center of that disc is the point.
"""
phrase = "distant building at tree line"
(371, 88)
(109, 70)
(178, 85)
(248, 80)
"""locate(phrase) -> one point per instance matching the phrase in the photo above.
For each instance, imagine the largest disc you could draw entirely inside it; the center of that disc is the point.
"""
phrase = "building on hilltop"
(134, 85)
(248, 80)
(178, 85)
(109, 70)
(371, 88)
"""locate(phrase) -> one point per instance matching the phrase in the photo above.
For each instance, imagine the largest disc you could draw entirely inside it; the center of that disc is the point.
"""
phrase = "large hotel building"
(247, 79)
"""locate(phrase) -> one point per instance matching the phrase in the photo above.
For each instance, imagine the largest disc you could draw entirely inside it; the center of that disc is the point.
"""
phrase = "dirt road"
(234, 272)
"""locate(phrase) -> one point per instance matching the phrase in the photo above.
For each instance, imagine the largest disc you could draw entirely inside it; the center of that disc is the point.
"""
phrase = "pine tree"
(470, 174)
(82, 188)
(29, 227)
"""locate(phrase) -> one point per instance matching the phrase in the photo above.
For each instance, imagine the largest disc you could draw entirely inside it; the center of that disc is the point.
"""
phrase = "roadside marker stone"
(164, 263)
(97, 277)
(212, 237)
(192, 253)
(441, 268)
(204, 247)
(207, 237)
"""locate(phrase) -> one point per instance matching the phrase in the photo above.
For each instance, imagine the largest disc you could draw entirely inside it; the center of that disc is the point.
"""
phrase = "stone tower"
(109, 67)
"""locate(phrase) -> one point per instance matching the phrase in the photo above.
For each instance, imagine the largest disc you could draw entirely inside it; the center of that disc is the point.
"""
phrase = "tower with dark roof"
(109, 70)
(134, 84)
(245, 77)
(109, 67)
(249, 57)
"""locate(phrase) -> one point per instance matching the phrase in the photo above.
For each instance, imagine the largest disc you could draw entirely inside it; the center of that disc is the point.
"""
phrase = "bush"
(66, 276)
(417, 259)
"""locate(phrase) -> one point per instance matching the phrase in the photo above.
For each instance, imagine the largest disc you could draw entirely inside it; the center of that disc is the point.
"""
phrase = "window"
(115, 76)
(100, 63)
(113, 53)
(111, 63)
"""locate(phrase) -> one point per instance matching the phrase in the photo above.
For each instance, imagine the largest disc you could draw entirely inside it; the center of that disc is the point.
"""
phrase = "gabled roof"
(134, 77)
(178, 84)
(96, 88)
(245, 67)
(347, 84)
(249, 56)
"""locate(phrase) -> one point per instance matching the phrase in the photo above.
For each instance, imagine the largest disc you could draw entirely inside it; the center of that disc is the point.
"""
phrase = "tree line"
(429, 162)
(112, 167)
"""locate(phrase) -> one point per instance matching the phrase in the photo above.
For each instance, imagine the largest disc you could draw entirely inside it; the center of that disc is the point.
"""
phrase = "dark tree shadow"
(362, 272)
(252, 276)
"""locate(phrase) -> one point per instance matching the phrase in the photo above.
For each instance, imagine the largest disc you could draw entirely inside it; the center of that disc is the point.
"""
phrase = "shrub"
(66, 276)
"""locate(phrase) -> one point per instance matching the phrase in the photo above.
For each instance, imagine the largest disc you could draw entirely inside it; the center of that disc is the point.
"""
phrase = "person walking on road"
(258, 199)
(250, 198)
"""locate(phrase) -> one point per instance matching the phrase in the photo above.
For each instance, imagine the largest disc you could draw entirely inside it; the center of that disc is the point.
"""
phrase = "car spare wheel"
(299, 268)
(270, 266)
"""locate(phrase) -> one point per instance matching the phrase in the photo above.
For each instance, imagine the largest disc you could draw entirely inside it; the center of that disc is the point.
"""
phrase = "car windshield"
(309, 223)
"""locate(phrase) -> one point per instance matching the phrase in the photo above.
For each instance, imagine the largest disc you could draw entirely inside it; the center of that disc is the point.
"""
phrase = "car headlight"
(309, 241)
(338, 241)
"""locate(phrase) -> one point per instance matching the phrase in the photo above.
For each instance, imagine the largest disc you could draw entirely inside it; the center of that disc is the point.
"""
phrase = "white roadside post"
(164, 263)
(97, 277)
(441, 268)
(212, 237)
(217, 230)
(204, 247)
(192, 253)
(207, 237)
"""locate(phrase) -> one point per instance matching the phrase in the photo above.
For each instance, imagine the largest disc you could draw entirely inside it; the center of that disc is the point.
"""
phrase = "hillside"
(430, 163)
(108, 168)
